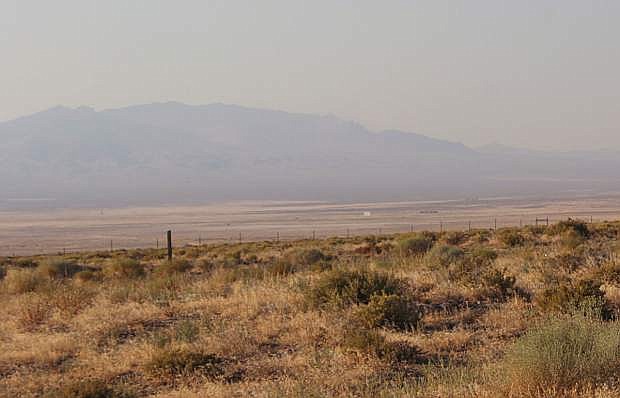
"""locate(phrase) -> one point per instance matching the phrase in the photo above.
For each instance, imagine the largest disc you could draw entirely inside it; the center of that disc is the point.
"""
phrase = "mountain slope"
(172, 152)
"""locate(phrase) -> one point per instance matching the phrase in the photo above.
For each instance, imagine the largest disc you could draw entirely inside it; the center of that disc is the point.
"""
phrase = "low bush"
(187, 331)
(91, 389)
(563, 355)
(70, 300)
(497, 284)
(87, 275)
(58, 268)
(416, 245)
(23, 280)
(584, 296)
(281, 268)
(124, 268)
(176, 266)
(371, 343)
(26, 263)
(389, 311)
(511, 237)
(34, 309)
(571, 240)
(579, 227)
(444, 255)
(483, 256)
(163, 289)
(184, 362)
(455, 237)
(303, 257)
(341, 287)
(244, 273)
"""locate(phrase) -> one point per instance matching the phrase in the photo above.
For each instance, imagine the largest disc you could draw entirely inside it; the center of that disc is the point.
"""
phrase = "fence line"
(283, 234)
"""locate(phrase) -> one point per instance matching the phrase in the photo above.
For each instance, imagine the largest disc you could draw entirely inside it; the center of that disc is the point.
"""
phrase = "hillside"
(526, 312)
(176, 153)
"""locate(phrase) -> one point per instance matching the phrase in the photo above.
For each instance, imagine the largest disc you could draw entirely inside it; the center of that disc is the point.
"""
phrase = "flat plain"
(25, 232)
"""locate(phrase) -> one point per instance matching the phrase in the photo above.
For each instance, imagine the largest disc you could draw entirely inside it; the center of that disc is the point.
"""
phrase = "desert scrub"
(304, 257)
(563, 355)
(176, 266)
(511, 237)
(444, 255)
(91, 389)
(369, 342)
(343, 287)
(58, 268)
(454, 237)
(184, 362)
(578, 227)
(124, 268)
(584, 296)
(34, 310)
(69, 300)
(497, 284)
(416, 245)
(23, 280)
(389, 311)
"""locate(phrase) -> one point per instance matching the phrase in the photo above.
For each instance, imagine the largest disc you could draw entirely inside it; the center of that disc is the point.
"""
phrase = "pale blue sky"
(541, 74)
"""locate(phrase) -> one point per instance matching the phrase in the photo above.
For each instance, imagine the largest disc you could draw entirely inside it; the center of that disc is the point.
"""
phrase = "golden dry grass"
(244, 319)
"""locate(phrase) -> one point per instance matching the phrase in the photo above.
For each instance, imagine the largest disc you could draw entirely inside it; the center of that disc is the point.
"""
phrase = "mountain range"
(176, 153)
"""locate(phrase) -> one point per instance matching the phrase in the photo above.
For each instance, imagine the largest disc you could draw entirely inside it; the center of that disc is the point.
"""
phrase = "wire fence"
(250, 233)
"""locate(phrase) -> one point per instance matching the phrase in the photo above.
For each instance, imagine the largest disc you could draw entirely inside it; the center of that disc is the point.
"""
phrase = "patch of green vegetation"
(390, 311)
(344, 287)
(184, 362)
(124, 268)
(563, 355)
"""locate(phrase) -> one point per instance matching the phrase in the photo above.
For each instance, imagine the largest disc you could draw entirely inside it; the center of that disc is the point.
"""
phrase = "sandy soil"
(51, 231)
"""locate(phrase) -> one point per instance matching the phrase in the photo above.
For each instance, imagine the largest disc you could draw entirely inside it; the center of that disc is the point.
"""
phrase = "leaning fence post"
(169, 239)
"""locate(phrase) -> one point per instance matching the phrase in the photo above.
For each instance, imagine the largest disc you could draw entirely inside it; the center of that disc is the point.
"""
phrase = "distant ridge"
(173, 152)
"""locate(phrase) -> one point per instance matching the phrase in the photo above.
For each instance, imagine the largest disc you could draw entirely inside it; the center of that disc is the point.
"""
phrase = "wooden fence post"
(169, 239)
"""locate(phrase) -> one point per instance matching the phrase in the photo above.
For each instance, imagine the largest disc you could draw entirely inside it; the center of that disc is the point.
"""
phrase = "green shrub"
(163, 289)
(571, 239)
(243, 273)
(610, 271)
(415, 246)
(34, 309)
(371, 343)
(23, 280)
(58, 268)
(455, 237)
(184, 362)
(91, 389)
(176, 266)
(444, 255)
(579, 227)
(281, 268)
(497, 284)
(124, 268)
(2, 272)
(70, 300)
(303, 257)
(584, 296)
(563, 355)
(511, 237)
(87, 276)
(342, 287)
(187, 331)
(390, 311)
(26, 263)
(483, 256)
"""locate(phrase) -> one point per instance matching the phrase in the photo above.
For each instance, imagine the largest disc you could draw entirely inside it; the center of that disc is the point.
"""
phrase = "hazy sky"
(542, 74)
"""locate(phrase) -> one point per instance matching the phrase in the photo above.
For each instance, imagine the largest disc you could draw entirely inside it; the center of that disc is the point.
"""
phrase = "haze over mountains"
(176, 153)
